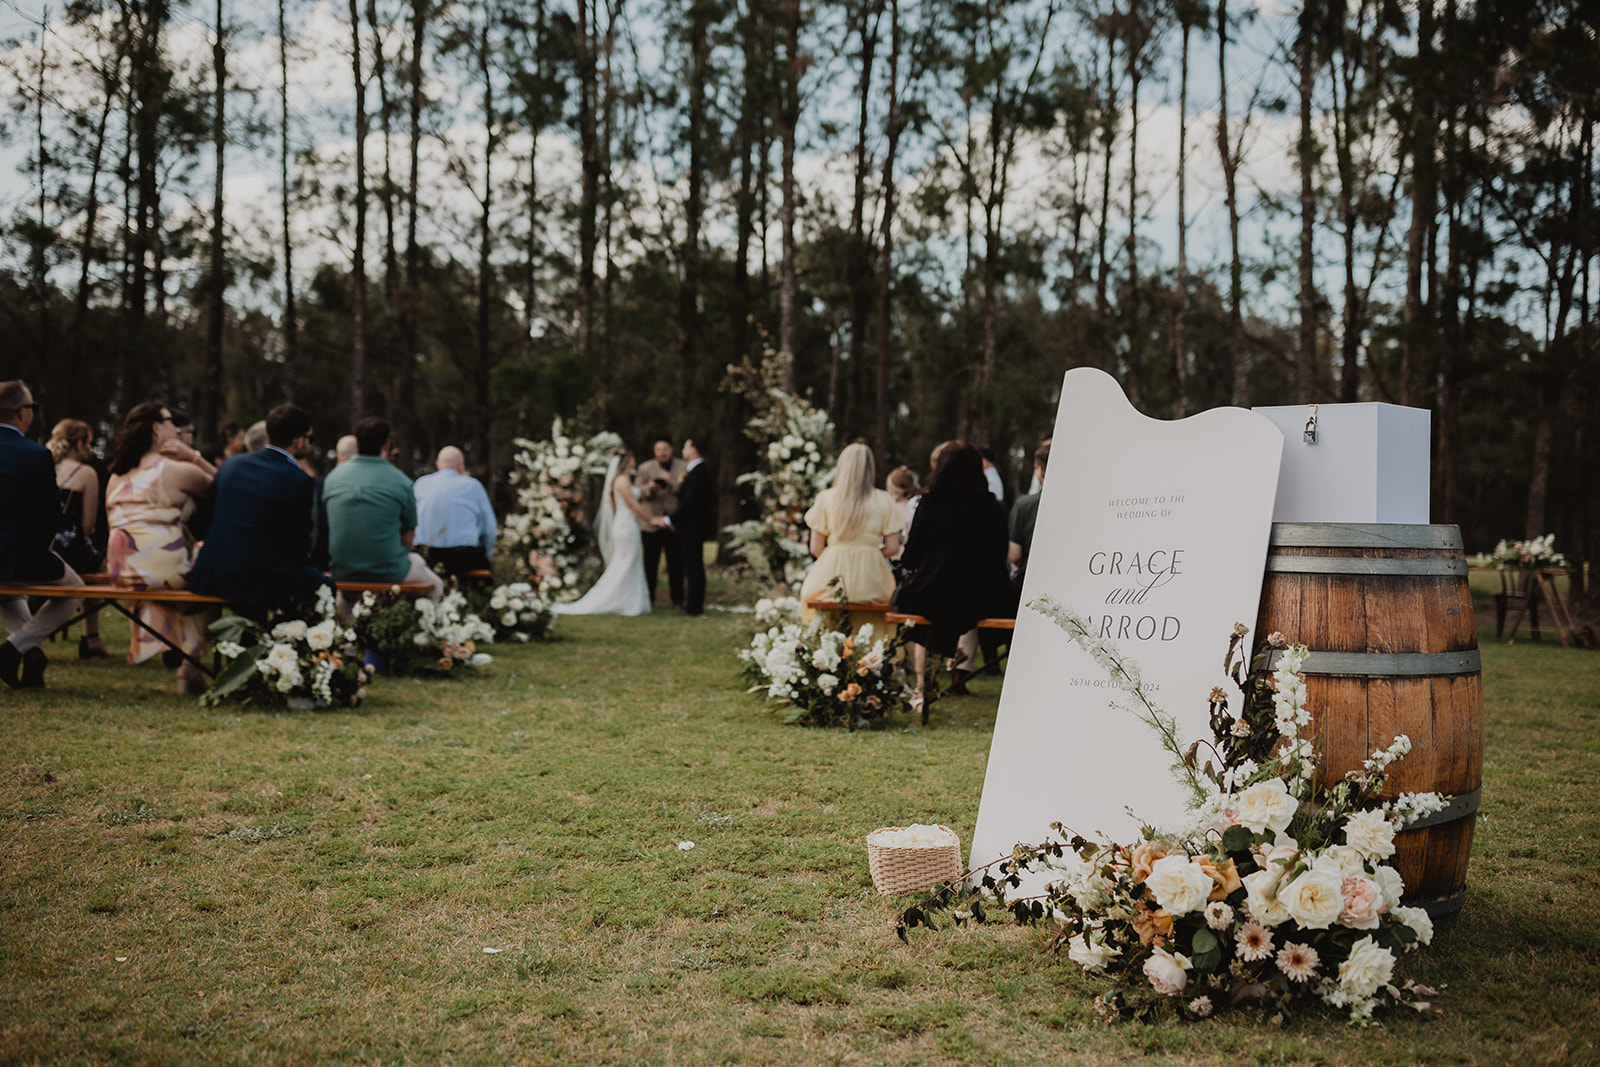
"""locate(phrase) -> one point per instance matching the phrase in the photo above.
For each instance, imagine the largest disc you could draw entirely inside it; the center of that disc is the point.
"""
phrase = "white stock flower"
(1370, 833)
(825, 658)
(1179, 884)
(1369, 966)
(229, 650)
(1265, 806)
(1313, 899)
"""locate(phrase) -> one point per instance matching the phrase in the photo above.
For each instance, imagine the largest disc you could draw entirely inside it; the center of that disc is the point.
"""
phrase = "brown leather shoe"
(34, 661)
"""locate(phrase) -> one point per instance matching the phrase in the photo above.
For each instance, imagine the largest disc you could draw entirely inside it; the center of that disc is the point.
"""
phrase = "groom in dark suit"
(257, 555)
(696, 522)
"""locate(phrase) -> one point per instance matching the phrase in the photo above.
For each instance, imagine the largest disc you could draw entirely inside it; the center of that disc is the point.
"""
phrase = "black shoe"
(679, 609)
(10, 663)
(172, 659)
(958, 684)
(992, 668)
(34, 661)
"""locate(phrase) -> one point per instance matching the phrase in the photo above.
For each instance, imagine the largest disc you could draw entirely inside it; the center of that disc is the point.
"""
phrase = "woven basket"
(898, 869)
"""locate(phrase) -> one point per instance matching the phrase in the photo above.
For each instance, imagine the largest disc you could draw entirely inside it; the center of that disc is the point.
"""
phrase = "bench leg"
(133, 618)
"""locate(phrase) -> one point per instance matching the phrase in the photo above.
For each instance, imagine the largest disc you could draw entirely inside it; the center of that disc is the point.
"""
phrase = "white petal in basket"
(913, 859)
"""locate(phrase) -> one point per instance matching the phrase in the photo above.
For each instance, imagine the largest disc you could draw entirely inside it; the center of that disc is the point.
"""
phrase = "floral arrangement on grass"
(411, 636)
(776, 611)
(1276, 893)
(515, 611)
(299, 657)
(1531, 554)
(828, 677)
(549, 529)
(794, 441)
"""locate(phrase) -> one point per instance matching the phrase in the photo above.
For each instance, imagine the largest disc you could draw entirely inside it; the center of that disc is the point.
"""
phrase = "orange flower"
(851, 691)
(1152, 924)
(1146, 854)
(445, 663)
(849, 647)
(1226, 878)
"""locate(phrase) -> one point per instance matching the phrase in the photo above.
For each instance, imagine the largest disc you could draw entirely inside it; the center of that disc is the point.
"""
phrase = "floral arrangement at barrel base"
(515, 611)
(301, 657)
(1532, 554)
(1275, 895)
(413, 636)
(793, 440)
(548, 532)
(828, 677)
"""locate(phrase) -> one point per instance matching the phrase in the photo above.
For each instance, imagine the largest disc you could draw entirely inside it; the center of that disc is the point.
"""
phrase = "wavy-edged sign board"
(1157, 532)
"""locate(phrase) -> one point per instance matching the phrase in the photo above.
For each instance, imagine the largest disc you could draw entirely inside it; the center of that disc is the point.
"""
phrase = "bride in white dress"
(621, 590)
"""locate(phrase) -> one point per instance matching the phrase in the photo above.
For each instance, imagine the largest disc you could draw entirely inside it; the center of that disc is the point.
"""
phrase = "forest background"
(473, 217)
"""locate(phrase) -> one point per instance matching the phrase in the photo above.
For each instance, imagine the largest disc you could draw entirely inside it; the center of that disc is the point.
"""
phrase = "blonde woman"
(71, 444)
(855, 531)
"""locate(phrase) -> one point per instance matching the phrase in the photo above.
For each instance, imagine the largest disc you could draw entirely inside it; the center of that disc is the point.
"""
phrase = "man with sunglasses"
(258, 553)
(30, 508)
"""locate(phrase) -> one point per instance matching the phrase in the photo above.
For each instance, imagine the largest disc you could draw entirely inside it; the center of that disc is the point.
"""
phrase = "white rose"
(1419, 921)
(1267, 912)
(481, 659)
(1179, 884)
(1370, 965)
(321, 635)
(1370, 833)
(1349, 862)
(508, 619)
(1092, 956)
(1167, 971)
(1314, 899)
(1390, 884)
(283, 657)
(827, 683)
(1265, 806)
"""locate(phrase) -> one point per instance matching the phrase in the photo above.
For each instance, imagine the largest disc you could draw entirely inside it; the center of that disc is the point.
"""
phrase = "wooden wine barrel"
(1387, 614)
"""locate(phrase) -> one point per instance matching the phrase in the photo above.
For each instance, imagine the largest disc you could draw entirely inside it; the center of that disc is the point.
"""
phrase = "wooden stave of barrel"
(1387, 614)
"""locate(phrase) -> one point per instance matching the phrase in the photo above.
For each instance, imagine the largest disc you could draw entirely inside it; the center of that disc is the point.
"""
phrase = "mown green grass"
(299, 887)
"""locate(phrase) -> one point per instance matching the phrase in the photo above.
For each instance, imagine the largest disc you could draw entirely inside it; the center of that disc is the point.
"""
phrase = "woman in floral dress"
(154, 481)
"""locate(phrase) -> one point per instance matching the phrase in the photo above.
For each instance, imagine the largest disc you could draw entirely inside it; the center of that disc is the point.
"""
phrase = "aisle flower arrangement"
(797, 464)
(301, 657)
(828, 677)
(1277, 892)
(515, 611)
(1532, 554)
(549, 530)
(412, 636)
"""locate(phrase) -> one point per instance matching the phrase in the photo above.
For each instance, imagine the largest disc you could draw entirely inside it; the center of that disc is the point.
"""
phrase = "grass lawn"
(198, 886)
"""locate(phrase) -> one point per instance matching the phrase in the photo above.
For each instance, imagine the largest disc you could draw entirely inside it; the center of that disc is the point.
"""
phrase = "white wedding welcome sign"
(1157, 533)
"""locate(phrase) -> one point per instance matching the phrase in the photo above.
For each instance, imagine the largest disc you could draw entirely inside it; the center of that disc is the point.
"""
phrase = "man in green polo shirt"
(372, 515)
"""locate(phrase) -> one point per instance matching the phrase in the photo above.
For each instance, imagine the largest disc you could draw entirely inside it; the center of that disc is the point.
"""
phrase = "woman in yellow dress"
(154, 481)
(855, 531)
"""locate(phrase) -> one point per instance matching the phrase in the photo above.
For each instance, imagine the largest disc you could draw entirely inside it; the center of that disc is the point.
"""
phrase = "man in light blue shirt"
(454, 517)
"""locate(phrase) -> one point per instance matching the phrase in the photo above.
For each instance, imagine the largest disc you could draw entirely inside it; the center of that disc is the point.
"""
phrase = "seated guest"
(372, 515)
(1024, 514)
(29, 508)
(343, 449)
(257, 556)
(454, 517)
(78, 483)
(956, 556)
(902, 488)
(255, 438)
(155, 480)
(855, 530)
(199, 523)
(232, 440)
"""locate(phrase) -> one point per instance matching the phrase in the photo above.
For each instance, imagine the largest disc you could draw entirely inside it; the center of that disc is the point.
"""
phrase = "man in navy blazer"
(30, 511)
(257, 554)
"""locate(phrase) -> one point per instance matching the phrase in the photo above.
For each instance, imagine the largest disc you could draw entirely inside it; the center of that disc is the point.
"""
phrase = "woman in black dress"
(72, 445)
(955, 557)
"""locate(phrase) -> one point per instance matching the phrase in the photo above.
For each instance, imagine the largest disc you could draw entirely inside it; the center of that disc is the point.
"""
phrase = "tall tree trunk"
(689, 285)
(216, 280)
(1306, 354)
(358, 266)
(483, 461)
(39, 266)
(1344, 116)
(789, 119)
(1108, 139)
(858, 271)
(291, 326)
(1230, 175)
(880, 406)
(1421, 136)
(91, 211)
(1180, 285)
(391, 264)
(405, 383)
(1136, 388)
(589, 176)
(150, 78)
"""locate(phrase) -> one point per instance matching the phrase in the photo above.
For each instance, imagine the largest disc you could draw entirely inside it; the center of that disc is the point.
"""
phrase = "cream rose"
(1265, 806)
(1390, 884)
(1091, 955)
(1314, 899)
(1369, 966)
(1363, 903)
(1370, 833)
(1167, 971)
(1342, 858)
(1179, 884)
(1267, 912)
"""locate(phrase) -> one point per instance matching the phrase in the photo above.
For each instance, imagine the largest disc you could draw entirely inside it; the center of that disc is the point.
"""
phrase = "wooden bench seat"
(903, 619)
(899, 618)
